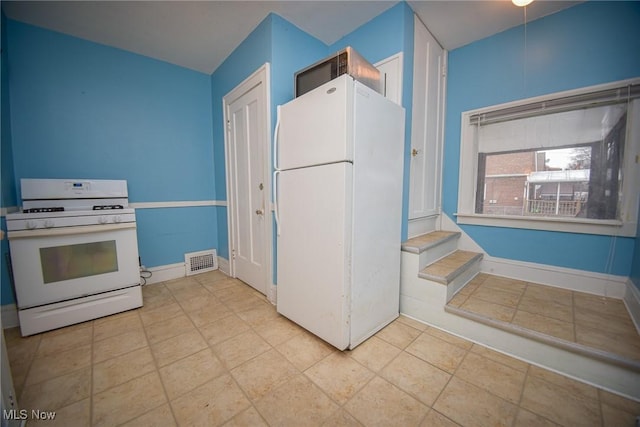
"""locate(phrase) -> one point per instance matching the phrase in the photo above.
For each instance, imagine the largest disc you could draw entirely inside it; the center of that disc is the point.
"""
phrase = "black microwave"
(345, 61)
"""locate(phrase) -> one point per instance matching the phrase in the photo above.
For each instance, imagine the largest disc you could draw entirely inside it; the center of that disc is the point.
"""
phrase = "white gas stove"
(74, 252)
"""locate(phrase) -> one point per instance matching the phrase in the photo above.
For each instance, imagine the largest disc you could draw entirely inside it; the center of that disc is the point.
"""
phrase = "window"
(563, 162)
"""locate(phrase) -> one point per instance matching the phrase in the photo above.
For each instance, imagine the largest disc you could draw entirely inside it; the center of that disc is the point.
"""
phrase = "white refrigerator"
(338, 159)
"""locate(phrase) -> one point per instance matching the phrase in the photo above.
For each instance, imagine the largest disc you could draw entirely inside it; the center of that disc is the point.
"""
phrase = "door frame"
(262, 77)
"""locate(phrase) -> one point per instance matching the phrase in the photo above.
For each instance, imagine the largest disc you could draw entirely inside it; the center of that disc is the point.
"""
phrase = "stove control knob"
(117, 219)
(31, 224)
(49, 223)
(103, 220)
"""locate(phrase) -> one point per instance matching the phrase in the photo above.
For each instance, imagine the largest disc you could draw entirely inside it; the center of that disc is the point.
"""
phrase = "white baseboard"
(632, 301)
(223, 266)
(272, 294)
(9, 316)
(606, 285)
(163, 273)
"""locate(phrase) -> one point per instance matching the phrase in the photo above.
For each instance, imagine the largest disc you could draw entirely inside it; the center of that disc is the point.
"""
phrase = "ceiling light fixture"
(521, 3)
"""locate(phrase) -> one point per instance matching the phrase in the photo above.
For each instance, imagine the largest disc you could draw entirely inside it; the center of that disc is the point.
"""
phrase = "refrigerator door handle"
(275, 200)
(275, 139)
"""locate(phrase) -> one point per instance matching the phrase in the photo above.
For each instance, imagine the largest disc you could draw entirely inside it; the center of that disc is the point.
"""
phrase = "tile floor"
(208, 350)
(594, 321)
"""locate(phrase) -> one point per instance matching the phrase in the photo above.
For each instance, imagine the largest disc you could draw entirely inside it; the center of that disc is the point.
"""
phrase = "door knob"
(414, 152)
(259, 212)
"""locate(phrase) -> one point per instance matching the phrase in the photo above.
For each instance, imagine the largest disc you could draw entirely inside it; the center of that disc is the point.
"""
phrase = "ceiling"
(200, 34)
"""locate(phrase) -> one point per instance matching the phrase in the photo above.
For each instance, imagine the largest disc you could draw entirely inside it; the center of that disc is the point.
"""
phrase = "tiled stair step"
(581, 349)
(448, 268)
(427, 241)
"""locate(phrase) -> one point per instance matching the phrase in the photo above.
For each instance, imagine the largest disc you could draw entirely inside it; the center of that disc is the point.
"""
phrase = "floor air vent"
(200, 262)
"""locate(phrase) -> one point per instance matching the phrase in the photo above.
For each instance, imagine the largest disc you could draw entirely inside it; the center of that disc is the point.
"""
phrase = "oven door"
(58, 264)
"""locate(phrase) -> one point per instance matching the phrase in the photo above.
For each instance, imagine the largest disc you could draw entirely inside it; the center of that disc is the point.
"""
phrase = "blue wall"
(7, 187)
(85, 110)
(588, 44)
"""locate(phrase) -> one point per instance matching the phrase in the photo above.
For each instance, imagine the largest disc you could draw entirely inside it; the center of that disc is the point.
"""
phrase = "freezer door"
(315, 129)
(314, 249)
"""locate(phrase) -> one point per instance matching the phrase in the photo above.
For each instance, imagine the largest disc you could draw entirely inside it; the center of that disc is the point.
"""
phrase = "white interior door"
(427, 124)
(247, 145)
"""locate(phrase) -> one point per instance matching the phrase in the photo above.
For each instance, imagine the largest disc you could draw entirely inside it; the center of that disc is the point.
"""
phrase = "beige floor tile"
(156, 295)
(116, 324)
(339, 376)
(225, 328)
(341, 418)
(199, 302)
(620, 402)
(247, 418)
(496, 296)
(599, 304)
(118, 370)
(182, 284)
(529, 419)
(304, 350)
(398, 334)
(544, 307)
(58, 392)
(210, 404)
(54, 365)
(488, 309)
(439, 353)
(558, 404)
(260, 375)
(382, 403)
(63, 339)
(415, 376)
(451, 339)
(626, 345)
(494, 377)
(412, 322)
(186, 374)
(172, 349)
(618, 324)
(127, 401)
(545, 325)
(195, 291)
(157, 417)
(458, 300)
(375, 353)
(436, 419)
(210, 277)
(504, 284)
(76, 414)
(161, 313)
(470, 405)
(549, 293)
(615, 417)
(570, 385)
(500, 358)
(169, 328)
(117, 345)
(237, 350)
(298, 402)
(207, 315)
(278, 330)
(258, 314)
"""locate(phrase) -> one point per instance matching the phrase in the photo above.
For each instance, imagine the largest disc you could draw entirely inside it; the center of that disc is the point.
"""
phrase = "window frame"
(468, 180)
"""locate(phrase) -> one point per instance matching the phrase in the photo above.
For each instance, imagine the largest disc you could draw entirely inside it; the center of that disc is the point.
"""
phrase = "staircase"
(437, 278)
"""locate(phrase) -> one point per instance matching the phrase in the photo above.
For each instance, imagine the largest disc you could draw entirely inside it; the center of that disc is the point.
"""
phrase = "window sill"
(566, 225)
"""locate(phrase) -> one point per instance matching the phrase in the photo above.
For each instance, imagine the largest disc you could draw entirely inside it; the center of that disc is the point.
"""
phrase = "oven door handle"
(66, 231)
